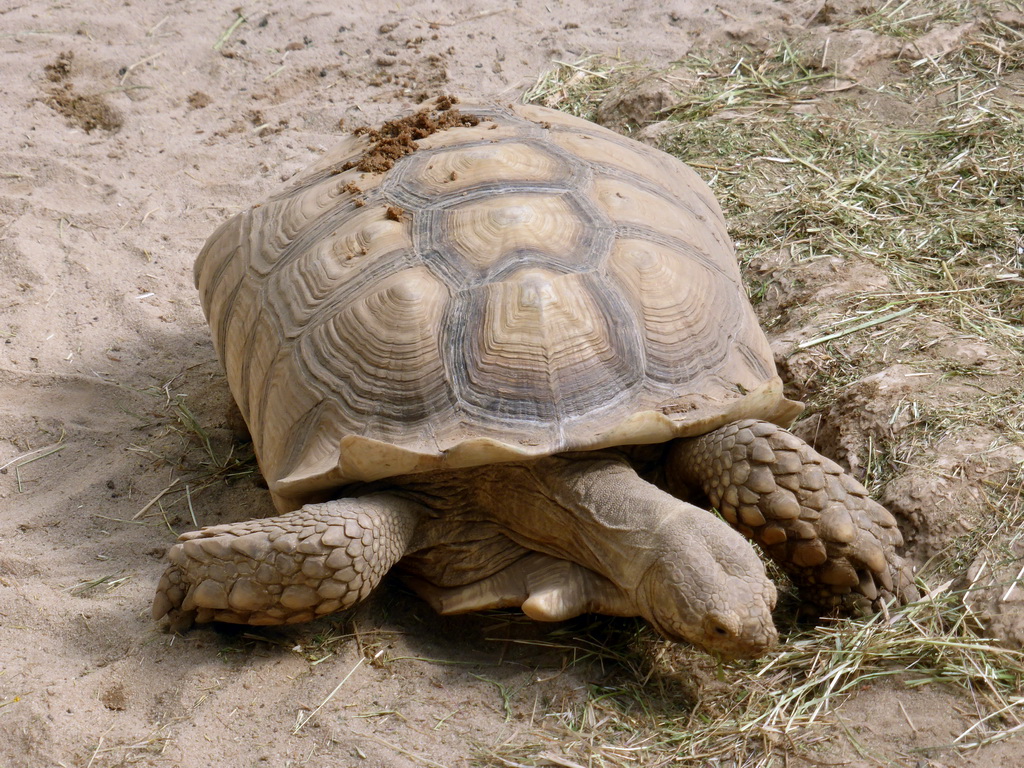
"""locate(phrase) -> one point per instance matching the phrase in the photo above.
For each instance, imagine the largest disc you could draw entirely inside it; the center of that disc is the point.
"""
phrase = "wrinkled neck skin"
(680, 567)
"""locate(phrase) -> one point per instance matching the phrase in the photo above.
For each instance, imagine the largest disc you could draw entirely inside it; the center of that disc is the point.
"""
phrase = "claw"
(867, 586)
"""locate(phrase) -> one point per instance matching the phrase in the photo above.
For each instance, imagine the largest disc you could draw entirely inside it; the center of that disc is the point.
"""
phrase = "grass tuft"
(196, 458)
(669, 704)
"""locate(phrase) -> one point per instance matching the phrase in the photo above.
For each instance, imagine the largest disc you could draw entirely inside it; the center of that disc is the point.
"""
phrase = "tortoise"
(500, 347)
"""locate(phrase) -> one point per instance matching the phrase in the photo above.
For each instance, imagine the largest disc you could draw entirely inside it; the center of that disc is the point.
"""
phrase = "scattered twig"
(49, 451)
(467, 19)
(140, 62)
(854, 328)
(155, 499)
(411, 755)
(331, 695)
(796, 158)
(240, 19)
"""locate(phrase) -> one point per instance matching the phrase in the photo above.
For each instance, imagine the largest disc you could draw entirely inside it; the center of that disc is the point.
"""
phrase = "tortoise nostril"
(722, 627)
(719, 629)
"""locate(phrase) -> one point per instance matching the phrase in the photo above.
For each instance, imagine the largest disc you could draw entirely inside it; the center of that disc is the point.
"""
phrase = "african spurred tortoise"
(448, 338)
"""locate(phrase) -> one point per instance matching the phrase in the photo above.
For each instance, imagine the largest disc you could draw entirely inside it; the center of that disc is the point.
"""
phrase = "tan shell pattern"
(530, 285)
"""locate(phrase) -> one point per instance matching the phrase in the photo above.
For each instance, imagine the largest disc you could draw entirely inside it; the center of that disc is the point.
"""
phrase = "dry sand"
(130, 130)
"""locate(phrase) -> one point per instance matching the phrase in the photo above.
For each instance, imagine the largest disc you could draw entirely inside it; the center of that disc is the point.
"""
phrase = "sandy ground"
(130, 130)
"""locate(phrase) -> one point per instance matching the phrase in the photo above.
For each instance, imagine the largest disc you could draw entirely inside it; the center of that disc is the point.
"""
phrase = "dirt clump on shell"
(397, 138)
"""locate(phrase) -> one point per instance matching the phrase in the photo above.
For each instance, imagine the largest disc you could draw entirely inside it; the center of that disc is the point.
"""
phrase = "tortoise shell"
(528, 285)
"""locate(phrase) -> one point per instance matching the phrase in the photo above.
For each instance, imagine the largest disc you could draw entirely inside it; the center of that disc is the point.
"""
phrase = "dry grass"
(925, 187)
(671, 706)
(911, 18)
(577, 88)
(194, 458)
(30, 457)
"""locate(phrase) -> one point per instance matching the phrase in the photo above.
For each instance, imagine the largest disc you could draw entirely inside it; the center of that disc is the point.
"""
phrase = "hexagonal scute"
(541, 347)
(483, 240)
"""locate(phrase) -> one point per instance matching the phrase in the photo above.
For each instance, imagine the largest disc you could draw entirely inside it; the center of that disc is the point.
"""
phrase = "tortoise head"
(708, 586)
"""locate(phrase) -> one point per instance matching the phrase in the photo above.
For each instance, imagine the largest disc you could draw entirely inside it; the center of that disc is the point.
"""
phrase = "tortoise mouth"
(740, 628)
(749, 641)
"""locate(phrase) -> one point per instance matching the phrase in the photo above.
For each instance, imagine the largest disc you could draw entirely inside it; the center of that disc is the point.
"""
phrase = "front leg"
(817, 522)
(286, 569)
